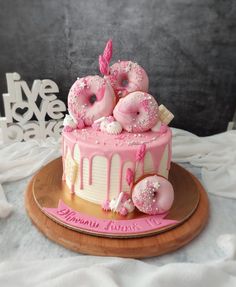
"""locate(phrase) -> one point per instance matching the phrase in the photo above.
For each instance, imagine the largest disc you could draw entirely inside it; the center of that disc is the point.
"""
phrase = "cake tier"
(95, 163)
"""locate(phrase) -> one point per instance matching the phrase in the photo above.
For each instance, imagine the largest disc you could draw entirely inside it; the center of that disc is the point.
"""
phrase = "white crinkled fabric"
(21, 159)
(215, 155)
(95, 271)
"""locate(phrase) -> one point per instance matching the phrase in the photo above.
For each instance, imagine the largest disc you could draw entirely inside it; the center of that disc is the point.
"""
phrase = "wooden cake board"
(150, 246)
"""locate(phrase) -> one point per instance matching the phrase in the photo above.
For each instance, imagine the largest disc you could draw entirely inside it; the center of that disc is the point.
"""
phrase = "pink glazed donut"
(153, 195)
(91, 98)
(127, 77)
(137, 112)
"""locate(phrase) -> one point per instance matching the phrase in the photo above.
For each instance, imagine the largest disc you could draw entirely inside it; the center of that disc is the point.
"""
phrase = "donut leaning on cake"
(119, 114)
(153, 195)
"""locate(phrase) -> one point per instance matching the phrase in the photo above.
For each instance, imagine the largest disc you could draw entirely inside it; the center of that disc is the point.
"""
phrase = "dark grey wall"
(187, 47)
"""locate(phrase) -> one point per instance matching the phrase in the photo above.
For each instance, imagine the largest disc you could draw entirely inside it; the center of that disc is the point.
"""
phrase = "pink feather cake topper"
(105, 59)
(103, 65)
(129, 176)
(107, 54)
(141, 152)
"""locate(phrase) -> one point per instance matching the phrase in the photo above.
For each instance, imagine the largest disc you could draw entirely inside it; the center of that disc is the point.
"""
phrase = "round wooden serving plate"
(192, 216)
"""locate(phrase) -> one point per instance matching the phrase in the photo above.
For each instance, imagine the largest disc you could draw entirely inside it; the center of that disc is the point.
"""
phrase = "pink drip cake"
(116, 140)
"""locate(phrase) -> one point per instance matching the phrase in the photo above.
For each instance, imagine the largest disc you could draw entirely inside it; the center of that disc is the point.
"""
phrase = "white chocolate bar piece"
(165, 115)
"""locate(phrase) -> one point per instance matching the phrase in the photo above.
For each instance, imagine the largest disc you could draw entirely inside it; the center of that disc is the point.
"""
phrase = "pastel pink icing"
(127, 77)
(92, 142)
(153, 195)
(137, 112)
(90, 98)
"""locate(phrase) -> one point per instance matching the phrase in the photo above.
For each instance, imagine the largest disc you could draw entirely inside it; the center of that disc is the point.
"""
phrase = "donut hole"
(154, 193)
(92, 99)
(124, 81)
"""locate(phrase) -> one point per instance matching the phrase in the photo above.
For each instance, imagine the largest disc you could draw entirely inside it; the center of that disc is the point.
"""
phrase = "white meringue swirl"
(114, 128)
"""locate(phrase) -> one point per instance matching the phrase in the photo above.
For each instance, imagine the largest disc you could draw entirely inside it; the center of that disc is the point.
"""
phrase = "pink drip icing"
(109, 145)
(156, 163)
(90, 170)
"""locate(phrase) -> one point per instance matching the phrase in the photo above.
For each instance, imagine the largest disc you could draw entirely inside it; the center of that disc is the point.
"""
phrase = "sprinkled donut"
(153, 195)
(137, 112)
(91, 98)
(127, 77)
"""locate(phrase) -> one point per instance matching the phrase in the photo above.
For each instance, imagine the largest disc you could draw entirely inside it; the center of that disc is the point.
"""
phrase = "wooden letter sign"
(26, 110)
